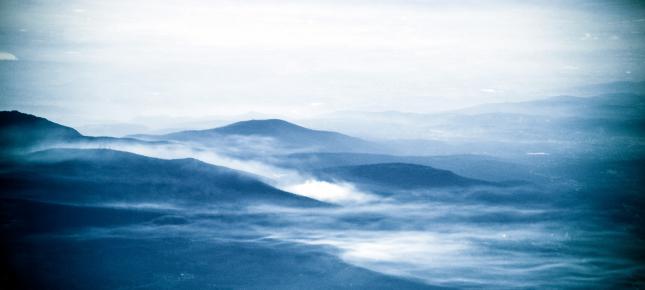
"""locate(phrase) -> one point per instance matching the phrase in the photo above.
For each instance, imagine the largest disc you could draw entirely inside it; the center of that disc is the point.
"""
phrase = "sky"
(87, 62)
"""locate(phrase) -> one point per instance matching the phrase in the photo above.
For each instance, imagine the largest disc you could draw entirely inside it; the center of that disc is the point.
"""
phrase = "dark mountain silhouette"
(23, 133)
(101, 175)
(269, 127)
(287, 136)
(399, 176)
(23, 130)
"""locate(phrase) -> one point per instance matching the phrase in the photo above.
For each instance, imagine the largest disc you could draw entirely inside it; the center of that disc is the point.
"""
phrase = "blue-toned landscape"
(322, 145)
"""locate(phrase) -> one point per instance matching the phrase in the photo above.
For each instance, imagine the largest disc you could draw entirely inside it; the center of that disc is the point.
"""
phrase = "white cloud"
(7, 56)
(285, 179)
(330, 192)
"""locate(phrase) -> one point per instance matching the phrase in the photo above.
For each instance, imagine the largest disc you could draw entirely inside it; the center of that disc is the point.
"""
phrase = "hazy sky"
(80, 62)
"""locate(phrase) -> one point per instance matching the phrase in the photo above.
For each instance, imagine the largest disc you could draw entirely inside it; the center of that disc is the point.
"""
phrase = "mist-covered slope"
(55, 246)
(100, 175)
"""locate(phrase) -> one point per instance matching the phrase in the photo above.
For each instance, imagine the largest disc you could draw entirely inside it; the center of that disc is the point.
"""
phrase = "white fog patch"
(330, 192)
(447, 244)
(398, 246)
(7, 56)
(462, 255)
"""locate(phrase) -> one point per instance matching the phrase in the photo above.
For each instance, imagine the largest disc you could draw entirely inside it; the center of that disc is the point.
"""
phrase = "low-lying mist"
(478, 237)
(286, 179)
(451, 244)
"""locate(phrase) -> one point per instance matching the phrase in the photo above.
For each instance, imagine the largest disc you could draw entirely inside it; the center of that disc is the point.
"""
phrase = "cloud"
(460, 243)
(7, 56)
(178, 150)
(330, 192)
(448, 244)
(282, 178)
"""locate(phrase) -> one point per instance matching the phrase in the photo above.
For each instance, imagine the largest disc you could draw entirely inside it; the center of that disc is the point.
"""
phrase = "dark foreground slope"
(101, 175)
(19, 130)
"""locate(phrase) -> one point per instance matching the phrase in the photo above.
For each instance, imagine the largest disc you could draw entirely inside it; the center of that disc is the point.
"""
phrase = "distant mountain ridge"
(615, 105)
(404, 176)
(287, 135)
(471, 166)
(104, 175)
(561, 125)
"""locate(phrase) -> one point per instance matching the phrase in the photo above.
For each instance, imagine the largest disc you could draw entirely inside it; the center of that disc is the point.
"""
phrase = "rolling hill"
(471, 166)
(275, 133)
(97, 176)
(399, 176)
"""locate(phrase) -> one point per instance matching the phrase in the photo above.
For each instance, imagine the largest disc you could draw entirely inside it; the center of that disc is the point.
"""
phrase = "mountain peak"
(19, 129)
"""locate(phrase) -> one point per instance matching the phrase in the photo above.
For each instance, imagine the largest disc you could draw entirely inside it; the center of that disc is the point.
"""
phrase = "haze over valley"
(327, 206)
(322, 144)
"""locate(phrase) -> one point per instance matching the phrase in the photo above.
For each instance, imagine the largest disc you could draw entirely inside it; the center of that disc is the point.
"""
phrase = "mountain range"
(81, 175)
(563, 125)
(115, 219)
(271, 133)
(77, 175)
